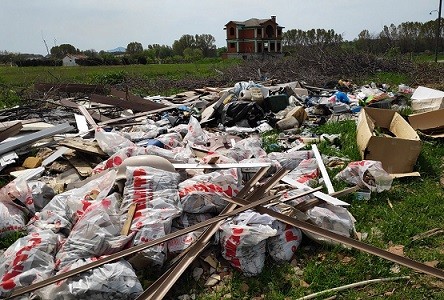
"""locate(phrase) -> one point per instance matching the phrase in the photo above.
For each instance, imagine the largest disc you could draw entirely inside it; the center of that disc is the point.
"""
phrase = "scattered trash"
(130, 170)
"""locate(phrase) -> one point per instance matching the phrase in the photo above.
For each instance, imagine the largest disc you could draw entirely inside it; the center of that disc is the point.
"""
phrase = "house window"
(259, 47)
(278, 47)
(279, 31)
(232, 45)
(259, 31)
(231, 30)
(269, 31)
(272, 46)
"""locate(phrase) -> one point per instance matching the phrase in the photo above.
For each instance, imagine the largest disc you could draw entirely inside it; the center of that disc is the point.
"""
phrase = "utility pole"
(438, 31)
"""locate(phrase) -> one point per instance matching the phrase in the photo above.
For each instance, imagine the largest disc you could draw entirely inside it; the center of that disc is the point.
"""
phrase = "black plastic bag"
(234, 112)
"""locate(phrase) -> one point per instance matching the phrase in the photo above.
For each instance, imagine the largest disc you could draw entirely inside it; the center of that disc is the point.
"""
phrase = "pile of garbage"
(99, 174)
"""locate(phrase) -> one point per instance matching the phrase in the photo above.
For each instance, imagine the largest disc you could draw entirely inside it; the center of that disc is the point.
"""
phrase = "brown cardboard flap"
(398, 153)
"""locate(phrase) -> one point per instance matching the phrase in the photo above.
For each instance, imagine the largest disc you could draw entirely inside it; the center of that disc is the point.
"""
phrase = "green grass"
(15, 81)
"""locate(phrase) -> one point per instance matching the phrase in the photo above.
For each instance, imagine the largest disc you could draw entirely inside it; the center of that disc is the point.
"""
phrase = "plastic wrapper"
(12, 219)
(63, 211)
(171, 140)
(291, 160)
(333, 218)
(306, 172)
(283, 246)
(157, 202)
(33, 194)
(111, 281)
(248, 172)
(182, 242)
(196, 135)
(30, 259)
(243, 241)
(366, 174)
(204, 193)
(254, 147)
(95, 234)
(111, 142)
(178, 154)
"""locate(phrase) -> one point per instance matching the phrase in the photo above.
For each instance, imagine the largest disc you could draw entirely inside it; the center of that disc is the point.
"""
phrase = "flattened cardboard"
(429, 123)
(397, 154)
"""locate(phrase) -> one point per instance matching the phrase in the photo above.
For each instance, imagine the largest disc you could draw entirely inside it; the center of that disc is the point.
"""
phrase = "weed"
(9, 238)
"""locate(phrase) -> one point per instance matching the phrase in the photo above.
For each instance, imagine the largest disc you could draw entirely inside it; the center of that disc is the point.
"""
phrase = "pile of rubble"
(105, 183)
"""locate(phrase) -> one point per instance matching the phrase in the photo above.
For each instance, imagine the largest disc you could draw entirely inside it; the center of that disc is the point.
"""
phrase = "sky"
(107, 24)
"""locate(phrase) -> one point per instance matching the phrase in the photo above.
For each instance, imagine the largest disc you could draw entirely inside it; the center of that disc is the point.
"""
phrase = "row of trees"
(408, 37)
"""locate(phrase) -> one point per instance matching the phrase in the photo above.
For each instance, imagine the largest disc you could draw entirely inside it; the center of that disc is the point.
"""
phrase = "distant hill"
(118, 49)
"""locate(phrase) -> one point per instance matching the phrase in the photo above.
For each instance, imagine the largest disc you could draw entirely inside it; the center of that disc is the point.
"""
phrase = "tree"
(134, 48)
(186, 41)
(191, 54)
(205, 42)
(62, 50)
(91, 53)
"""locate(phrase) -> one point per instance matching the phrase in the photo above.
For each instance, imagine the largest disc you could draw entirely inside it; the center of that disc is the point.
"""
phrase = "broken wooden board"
(128, 101)
(81, 166)
(10, 131)
(82, 145)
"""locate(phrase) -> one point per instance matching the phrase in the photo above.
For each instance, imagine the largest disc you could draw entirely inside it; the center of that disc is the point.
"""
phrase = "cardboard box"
(429, 123)
(399, 152)
(427, 99)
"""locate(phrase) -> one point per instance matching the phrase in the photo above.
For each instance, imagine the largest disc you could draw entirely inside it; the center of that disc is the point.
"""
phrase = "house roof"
(253, 22)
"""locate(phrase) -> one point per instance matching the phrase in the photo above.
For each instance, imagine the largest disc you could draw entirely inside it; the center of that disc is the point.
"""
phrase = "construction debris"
(133, 182)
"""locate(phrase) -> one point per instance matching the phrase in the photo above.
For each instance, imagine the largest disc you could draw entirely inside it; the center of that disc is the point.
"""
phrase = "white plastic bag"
(95, 234)
(333, 218)
(291, 160)
(155, 194)
(111, 281)
(63, 211)
(283, 246)
(11, 218)
(30, 259)
(367, 174)
(196, 135)
(182, 242)
(204, 193)
(306, 172)
(243, 241)
(111, 142)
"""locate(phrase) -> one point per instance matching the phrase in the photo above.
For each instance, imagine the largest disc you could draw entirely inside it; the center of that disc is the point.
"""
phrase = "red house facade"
(254, 37)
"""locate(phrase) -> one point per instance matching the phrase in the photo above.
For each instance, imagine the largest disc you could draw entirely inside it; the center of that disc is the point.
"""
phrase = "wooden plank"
(133, 102)
(81, 166)
(86, 146)
(129, 219)
(10, 131)
(323, 170)
(142, 114)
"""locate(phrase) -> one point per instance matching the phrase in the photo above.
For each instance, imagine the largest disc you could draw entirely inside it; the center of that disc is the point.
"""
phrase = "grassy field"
(25, 76)
(16, 81)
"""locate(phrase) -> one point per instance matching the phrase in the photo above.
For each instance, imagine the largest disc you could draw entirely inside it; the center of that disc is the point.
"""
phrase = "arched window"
(269, 31)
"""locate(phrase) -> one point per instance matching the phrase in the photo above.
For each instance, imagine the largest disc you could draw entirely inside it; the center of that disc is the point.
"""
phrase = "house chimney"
(273, 18)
